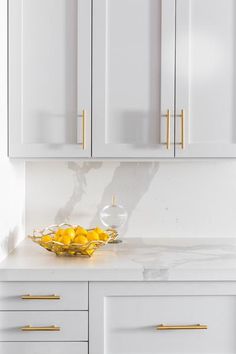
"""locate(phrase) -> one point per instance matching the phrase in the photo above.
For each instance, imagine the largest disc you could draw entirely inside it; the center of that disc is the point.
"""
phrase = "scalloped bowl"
(73, 249)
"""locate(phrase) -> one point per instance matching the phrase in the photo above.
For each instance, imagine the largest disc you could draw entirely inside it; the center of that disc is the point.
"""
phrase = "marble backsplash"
(163, 199)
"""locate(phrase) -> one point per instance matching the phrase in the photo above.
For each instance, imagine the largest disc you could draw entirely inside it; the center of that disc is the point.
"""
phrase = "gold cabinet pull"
(40, 297)
(168, 129)
(182, 133)
(83, 128)
(179, 327)
(41, 329)
(83, 116)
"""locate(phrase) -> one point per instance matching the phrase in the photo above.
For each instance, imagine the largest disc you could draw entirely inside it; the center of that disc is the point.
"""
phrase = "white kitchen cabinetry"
(157, 318)
(44, 317)
(145, 317)
(145, 296)
(133, 78)
(163, 78)
(43, 326)
(206, 78)
(30, 296)
(49, 78)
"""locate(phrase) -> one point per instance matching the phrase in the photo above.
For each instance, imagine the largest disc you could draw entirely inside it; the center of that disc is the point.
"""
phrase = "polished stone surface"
(166, 259)
(163, 199)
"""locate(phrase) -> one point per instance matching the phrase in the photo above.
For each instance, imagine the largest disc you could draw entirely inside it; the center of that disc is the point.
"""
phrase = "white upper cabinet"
(49, 78)
(160, 81)
(133, 78)
(206, 78)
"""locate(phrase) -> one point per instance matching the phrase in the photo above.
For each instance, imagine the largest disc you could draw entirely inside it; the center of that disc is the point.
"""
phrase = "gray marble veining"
(129, 182)
(159, 260)
(134, 260)
(79, 189)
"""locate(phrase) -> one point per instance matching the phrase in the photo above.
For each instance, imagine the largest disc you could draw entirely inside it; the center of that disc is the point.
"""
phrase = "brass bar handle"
(182, 133)
(83, 116)
(41, 329)
(40, 297)
(83, 128)
(180, 327)
(168, 129)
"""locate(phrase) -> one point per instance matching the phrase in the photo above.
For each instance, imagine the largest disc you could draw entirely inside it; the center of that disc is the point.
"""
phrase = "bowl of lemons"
(72, 240)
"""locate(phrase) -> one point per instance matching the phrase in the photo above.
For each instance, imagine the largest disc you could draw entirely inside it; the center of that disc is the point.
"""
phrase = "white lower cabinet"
(162, 318)
(52, 296)
(122, 318)
(43, 348)
(44, 326)
(43, 317)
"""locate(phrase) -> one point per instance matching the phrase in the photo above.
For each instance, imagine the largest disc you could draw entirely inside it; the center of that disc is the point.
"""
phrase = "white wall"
(163, 199)
(12, 192)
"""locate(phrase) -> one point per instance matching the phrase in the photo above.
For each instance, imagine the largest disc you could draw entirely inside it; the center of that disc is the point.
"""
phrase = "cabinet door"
(133, 78)
(162, 318)
(206, 77)
(49, 78)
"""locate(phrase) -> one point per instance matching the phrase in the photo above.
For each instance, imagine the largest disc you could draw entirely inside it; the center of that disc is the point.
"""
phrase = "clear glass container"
(113, 216)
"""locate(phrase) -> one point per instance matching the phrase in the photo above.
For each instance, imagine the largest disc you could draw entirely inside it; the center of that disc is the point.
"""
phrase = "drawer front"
(69, 296)
(162, 318)
(69, 326)
(132, 322)
(43, 348)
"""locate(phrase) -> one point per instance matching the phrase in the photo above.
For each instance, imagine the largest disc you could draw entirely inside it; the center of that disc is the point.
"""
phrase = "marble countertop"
(166, 259)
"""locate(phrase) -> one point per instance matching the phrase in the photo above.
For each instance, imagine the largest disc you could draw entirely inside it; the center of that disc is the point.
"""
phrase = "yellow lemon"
(59, 234)
(81, 239)
(70, 233)
(46, 238)
(98, 230)
(81, 231)
(66, 239)
(92, 236)
(104, 237)
(58, 239)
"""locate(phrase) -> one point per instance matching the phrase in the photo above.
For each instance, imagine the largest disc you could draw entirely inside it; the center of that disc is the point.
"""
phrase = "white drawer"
(131, 324)
(130, 313)
(73, 326)
(43, 348)
(72, 296)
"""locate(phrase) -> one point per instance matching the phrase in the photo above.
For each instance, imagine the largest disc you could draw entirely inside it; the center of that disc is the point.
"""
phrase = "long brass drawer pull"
(40, 297)
(182, 132)
(41, 329)
(83, 116)
(168, 129)
(179, 327)
(83, 128)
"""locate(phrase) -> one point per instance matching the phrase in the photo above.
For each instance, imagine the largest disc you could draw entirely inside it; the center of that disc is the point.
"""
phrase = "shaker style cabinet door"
(162, 317)
(133, 78)
(206, 78)
(49, 78)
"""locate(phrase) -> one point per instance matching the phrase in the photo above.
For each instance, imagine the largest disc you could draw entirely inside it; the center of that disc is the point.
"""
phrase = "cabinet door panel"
(72, 296)
(131, 314)
(128, 329)
(49, 77)
(206, 76)
(133, 77)
(73, 326)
